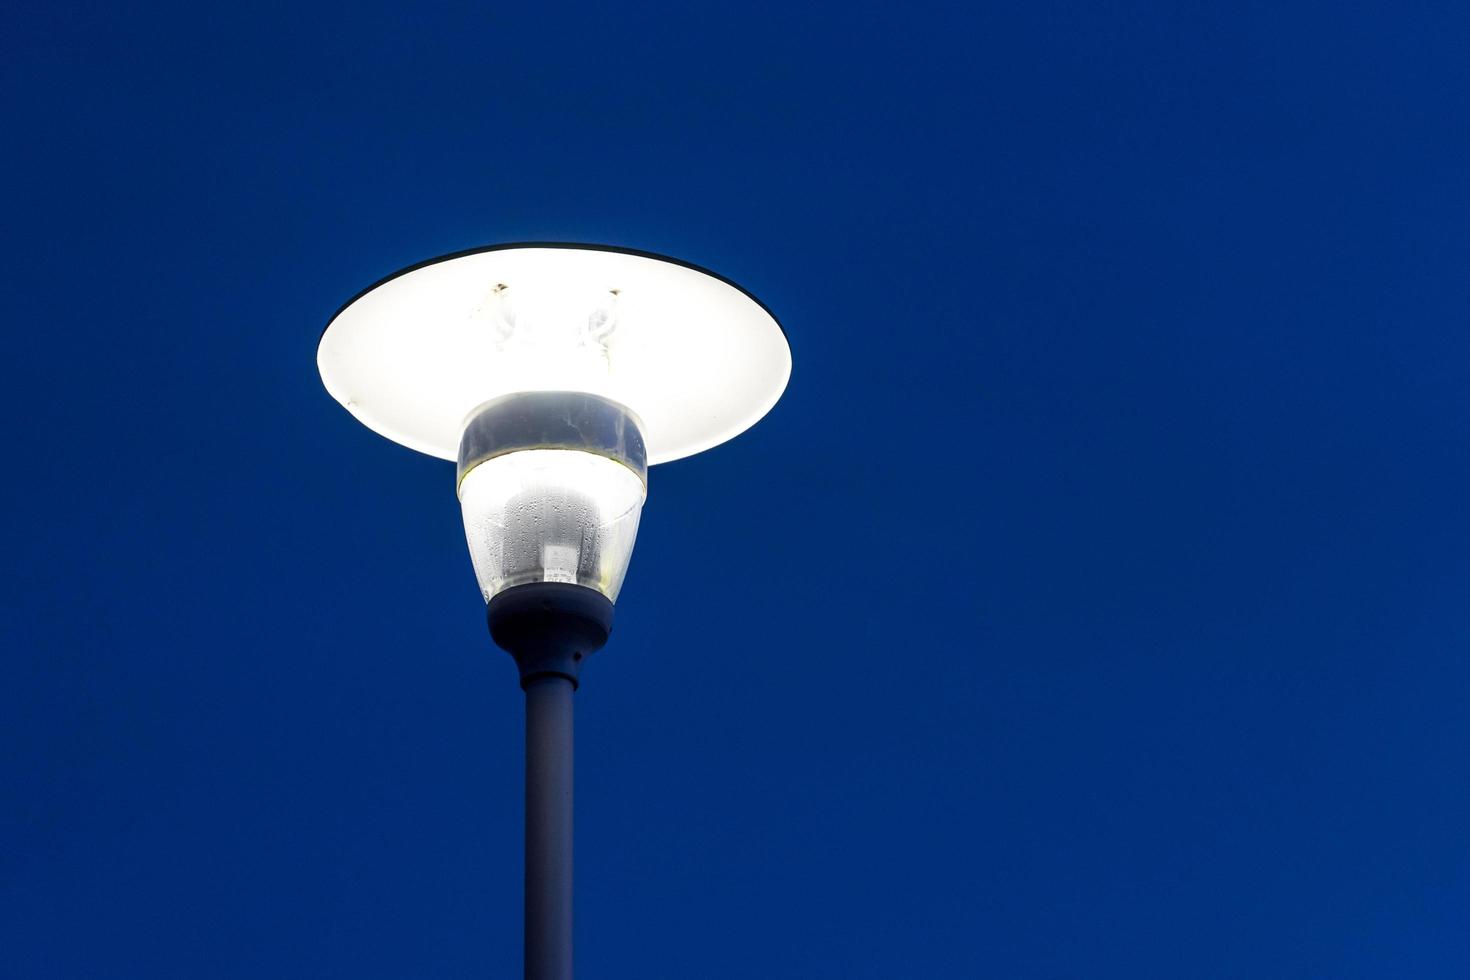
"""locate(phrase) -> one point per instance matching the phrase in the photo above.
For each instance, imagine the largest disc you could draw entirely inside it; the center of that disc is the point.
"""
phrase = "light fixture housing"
(554, 374)
(551, 485)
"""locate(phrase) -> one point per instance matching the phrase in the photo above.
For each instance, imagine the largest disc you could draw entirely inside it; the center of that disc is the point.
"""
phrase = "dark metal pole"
(549, 827)
(550, 628)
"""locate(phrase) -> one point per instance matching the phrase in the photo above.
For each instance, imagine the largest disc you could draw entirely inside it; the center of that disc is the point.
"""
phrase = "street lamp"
(553, 375)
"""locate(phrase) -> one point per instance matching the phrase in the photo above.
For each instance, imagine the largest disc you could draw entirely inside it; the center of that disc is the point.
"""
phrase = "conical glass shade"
(551, 515)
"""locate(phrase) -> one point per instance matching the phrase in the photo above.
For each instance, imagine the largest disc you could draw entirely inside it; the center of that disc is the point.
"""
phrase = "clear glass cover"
(551, 515)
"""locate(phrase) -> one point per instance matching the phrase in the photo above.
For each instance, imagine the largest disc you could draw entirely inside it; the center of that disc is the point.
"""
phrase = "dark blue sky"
(1092, 605)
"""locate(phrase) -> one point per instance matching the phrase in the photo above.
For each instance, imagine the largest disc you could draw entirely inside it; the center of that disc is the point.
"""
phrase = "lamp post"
(553, 375)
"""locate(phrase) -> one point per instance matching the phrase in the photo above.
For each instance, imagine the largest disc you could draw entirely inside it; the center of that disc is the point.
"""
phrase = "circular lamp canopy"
(693, 357)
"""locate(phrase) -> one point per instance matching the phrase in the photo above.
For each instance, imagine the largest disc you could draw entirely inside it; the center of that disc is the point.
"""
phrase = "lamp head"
(555, 375)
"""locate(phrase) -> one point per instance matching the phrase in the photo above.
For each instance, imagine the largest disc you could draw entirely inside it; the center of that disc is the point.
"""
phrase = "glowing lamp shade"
(551, 515)
(696, 358)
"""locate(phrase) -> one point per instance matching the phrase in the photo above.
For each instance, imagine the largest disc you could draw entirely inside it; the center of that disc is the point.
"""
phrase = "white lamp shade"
(694, 357)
